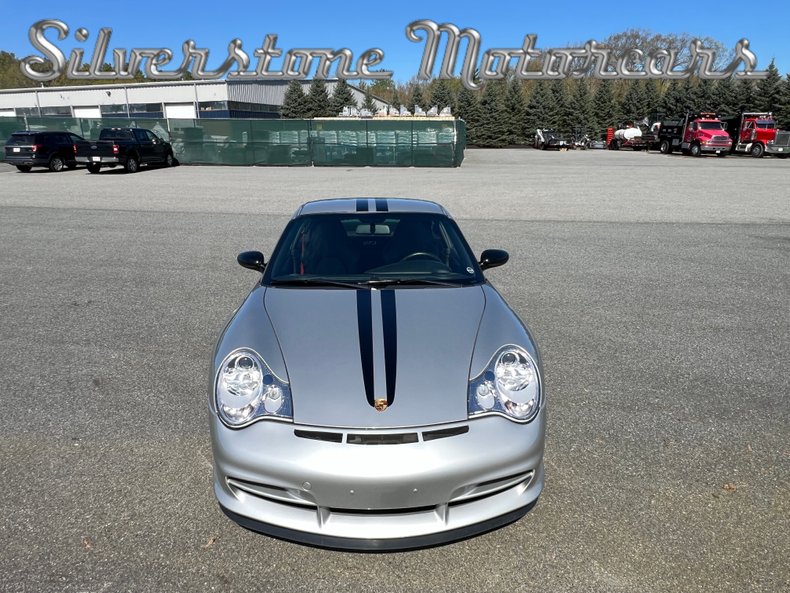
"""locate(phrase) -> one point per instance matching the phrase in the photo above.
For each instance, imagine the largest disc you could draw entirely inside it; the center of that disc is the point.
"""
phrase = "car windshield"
(711, 125)
(766, 124)
(372, 249)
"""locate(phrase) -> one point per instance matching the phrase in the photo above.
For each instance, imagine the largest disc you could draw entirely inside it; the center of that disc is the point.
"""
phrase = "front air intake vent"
(317, 435)
(432, 435)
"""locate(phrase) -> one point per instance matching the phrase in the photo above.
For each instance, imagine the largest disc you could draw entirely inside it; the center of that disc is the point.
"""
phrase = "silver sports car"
(374, 391)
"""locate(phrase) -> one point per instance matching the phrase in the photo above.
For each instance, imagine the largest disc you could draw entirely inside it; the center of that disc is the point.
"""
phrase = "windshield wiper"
(316, 282)
(377, 282)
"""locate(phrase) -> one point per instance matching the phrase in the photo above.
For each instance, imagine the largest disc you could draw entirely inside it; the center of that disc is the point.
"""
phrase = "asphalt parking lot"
(658, 288)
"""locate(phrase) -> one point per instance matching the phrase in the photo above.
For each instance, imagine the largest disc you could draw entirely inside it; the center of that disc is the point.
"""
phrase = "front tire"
(56, 164)
(132, 165)
(757, 151)
(169, 159)
(695, 150)
(94, 168)
(665, 148)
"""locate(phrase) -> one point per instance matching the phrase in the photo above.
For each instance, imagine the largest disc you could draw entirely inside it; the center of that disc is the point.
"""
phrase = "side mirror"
(491, 258)
(252, 260)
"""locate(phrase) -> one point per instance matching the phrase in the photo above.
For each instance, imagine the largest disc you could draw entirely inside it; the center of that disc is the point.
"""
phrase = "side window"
(151, 136)
(140, 135)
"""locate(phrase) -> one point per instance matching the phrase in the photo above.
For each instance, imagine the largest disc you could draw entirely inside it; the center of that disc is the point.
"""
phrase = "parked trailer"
(632, 137)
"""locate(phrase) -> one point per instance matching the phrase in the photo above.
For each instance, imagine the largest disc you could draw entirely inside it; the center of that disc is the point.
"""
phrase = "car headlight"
(246, 390)
(510, 386)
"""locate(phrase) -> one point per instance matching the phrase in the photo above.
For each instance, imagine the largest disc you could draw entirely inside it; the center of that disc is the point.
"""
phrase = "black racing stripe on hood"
(365, 322)
(390, 327)
(381, 205)
(362, 205)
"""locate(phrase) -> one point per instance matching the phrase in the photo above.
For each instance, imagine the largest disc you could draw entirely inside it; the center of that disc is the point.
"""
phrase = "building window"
(114, 110)
(64, 111)
(152, 110)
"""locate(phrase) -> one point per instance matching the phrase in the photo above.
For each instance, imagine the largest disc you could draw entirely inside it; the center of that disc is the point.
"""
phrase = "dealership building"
(193, 99)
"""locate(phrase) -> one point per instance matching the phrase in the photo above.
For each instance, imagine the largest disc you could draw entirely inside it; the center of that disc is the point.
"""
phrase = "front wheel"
(695, 150)
(757, 151)
(94, 168)
(56, 164)
(665, 147)
(169, 160)
(131, 165)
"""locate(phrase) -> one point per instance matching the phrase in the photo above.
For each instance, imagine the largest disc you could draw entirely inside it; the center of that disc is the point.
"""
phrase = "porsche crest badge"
(380, 405)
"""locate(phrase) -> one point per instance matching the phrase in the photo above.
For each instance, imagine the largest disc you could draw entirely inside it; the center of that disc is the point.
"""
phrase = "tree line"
(509, 111)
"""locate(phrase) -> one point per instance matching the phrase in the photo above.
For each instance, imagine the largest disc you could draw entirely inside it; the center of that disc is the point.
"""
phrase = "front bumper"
(385, 496)
(715, 148)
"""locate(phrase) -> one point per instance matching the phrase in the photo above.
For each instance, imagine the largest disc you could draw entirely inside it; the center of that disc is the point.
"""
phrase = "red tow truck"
(755, 134)
(694, 134)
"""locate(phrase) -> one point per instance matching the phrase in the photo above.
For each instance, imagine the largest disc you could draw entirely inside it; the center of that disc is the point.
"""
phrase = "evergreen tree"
(469, 110)
(703, 95)
(604, 108)
(561, 116)
(689, 94)
(417, 99)
(295, 101)
(318, 100)
(582, 117)
(369, 103)
(633, 104)
(783, 111)
(725, 98)
(441, 96)
(539, 108)
(675, 101)
(516, 108)
(341, 97)
(493, 128)
(744, 91)
(652, 97)
(769, 90)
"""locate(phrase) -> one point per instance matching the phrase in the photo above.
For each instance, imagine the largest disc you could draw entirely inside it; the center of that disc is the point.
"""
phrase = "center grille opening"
(382, 439)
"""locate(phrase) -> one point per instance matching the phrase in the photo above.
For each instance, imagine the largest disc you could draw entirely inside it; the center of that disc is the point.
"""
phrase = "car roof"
(349, 205)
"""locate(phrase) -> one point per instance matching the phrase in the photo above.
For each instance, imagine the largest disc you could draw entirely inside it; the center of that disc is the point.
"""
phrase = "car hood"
(408, 347)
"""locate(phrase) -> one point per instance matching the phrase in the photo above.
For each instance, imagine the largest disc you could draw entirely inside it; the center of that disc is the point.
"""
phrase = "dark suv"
(54, 150)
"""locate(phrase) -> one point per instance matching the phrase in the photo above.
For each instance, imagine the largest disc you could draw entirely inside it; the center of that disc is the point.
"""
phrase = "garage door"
(180, 111)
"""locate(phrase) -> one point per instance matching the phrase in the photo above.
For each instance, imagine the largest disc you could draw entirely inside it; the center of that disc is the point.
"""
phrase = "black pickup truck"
(127, 147)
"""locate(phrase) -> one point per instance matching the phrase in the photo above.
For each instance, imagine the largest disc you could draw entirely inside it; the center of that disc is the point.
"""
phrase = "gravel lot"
(657, 286)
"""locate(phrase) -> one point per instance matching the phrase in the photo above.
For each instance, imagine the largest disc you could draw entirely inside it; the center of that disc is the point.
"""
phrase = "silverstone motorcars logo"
(525, 62)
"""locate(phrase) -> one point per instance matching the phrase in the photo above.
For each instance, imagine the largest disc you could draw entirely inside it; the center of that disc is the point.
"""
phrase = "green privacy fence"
(401, 142)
